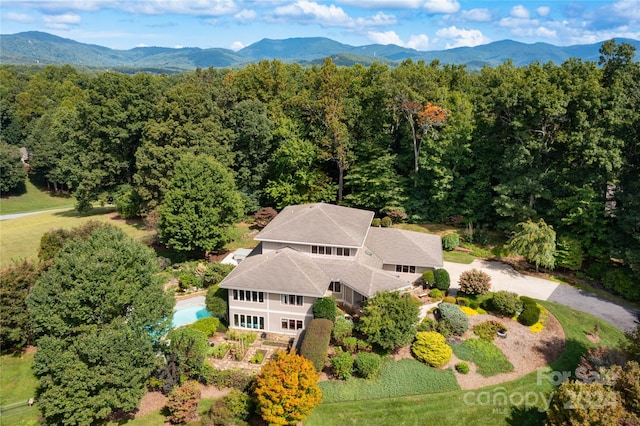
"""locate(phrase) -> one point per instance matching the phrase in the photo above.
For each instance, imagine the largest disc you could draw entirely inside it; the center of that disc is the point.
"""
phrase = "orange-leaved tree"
(287, 389)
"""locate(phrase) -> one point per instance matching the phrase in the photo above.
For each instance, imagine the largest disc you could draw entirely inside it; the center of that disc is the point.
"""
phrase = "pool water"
(188, 315)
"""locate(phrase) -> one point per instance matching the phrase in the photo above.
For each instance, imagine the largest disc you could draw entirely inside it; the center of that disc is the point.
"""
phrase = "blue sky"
(419, 24)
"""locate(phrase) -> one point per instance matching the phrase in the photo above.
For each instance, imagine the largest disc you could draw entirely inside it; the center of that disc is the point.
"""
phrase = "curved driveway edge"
(504, 277)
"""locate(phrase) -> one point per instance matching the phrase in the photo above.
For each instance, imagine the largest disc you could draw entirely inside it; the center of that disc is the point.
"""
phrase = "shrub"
(431, 348)
(435, 294)
(207, 325)
(449, 299)
(214, 273)
(621, 281)
(385, 222)
(474, 304)
(474, 282)
(630, 346)
(350, 344)
(363, 345)
(427, 324)
(368, 364)
(444, 328)
(183, 401)
(462, 301)
(428, 277)
(187, 281)
(342, 364)
(264, 216)
(257, 358)
(530, 315)
(457, 320)
(316, 342)
(342, 329)
(468, 311)
(219, 351)
(376, 222)
(443, 281)
(527, 301)
(487, 330)
(505, 303)
(235, 378)
(216, 301)
(233, 409)
(325, 307)
(450, 241)
(462, 368)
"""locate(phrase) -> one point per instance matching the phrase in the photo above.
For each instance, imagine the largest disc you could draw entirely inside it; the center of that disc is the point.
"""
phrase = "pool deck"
(198, 300)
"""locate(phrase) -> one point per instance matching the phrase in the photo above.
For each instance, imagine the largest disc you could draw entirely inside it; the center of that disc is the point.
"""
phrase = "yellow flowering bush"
(468, 311)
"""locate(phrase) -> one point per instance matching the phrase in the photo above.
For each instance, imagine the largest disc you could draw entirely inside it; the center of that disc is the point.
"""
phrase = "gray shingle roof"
(279, 271)
(400, 247)
(319, 224)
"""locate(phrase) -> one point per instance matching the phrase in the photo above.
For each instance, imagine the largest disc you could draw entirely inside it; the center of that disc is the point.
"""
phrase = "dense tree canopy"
(99, 310)
(492, 148)
(201, 206)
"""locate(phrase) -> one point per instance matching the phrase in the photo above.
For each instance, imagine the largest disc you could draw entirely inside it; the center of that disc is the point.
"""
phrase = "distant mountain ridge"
(34, 47)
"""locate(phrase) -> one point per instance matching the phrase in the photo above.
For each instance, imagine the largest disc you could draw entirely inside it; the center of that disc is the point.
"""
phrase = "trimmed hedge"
(325, 307)
(316, 341)
(342, 329)
(456, 320)
(428, 277)
(529, 315)
(208, 325)
(342, 364)
(443, 281)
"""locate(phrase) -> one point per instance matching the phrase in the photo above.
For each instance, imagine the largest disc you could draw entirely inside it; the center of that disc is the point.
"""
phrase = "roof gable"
(400, 247)
(319, 224)
(284, 271)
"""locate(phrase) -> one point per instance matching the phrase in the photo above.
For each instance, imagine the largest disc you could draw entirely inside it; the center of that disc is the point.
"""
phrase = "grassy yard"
(34, 200)
(17, 385)
(21, 236)
(467, 407)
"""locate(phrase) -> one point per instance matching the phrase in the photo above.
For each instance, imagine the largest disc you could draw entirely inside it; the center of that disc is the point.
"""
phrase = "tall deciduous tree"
(286, 389)
(99, 310)
(16, 281)
(536, 242)
(389, 319)
(201, 206)
(12, 172)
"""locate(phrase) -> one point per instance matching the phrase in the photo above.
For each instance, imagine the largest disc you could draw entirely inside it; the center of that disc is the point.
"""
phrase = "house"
(315, 250)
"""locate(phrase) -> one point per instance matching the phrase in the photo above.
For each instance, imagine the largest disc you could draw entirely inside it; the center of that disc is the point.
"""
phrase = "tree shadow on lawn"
(522, 416)
(101, 211)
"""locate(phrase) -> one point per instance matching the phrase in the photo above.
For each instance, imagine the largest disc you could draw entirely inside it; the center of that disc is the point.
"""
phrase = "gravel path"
(504, 277)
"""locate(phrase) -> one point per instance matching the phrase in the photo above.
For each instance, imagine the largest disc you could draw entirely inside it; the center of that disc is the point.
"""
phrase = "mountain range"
(39, 48)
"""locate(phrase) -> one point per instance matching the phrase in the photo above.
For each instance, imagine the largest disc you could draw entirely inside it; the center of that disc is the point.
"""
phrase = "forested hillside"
(491, 149)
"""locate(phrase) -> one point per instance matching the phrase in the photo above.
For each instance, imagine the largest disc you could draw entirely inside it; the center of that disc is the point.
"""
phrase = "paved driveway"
(504, 277)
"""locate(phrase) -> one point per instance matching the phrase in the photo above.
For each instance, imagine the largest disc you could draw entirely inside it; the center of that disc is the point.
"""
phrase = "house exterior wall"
(272, 311)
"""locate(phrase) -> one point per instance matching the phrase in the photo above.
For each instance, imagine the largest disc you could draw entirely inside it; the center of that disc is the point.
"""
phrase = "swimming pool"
(189, 314)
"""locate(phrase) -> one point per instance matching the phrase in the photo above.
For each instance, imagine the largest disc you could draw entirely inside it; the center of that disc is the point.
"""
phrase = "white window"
(291, 299)
(248, 321)
(335, 286)
(291, 324)
(248, 296)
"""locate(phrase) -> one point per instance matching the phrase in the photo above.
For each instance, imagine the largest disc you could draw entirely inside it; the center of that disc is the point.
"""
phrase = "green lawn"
(468, 407)
(34, 200)
(17, 384)
(21, 236)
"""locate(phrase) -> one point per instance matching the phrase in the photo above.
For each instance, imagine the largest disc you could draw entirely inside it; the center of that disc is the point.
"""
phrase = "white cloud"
(477, 15)
(142, 45)
(519, 11)
(61, 22)
(383, 4)
(236, 45)
(419, 42)
(441, 6)
(460, 37)
(387, 37)
(178, 46)
(304, 11)
(518, 23)
(245, 15)
(627, 8)
(19, 17)
(546, 32)
(543, 11)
